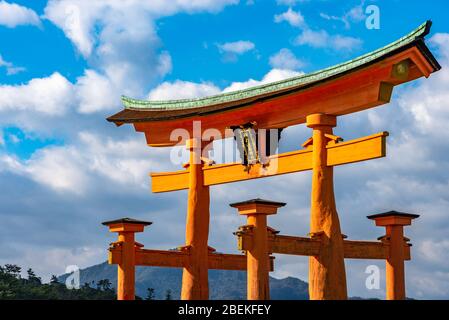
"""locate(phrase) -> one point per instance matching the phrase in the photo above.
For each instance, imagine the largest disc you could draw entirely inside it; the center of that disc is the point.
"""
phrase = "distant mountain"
(226, 285)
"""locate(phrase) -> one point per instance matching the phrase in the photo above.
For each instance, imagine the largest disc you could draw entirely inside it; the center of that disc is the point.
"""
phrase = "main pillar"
(394, 223)
(327, 277)
(195, 274)
(126, 228)
(258, 260)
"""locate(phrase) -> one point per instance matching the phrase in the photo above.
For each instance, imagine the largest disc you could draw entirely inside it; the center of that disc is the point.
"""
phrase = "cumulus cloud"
(78, 19)
(236, 47)
(322, 39)
(51, 95)
(73, 168)
(119, 40)
(272, 76)
(188, 90)
(285, 59)
(11, 69)
(95, 93)
(294, 18)
(182, 90)
(355, 14)
(289, 2)
(12, 15)
(231, 50)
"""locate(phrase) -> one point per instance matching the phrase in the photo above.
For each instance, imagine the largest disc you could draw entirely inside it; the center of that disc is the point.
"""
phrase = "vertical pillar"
(195, 275)
(258, 260)
(126, 228)
(327, 277)
(394, 223)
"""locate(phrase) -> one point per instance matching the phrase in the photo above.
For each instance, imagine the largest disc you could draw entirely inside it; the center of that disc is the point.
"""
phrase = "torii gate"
(316, 99)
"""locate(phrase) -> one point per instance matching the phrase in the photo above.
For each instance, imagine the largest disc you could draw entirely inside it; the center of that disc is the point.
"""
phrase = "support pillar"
(394, 223)
(195, 275)
(258, 260)
(327, 277)
(126, 229)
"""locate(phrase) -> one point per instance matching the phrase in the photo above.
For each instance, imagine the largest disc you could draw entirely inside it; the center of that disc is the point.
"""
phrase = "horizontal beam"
(366, 148)
(375, 250)
(294, 245)
(365, 249)
(220, 261)
(161, 258)
(180, 259)
(279, 244)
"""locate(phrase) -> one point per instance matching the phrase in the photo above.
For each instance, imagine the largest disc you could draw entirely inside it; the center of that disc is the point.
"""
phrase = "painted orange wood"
(294, 246)
(327, 275)
(222, 261)
(161, 258)
(351, 93)
(258, 260)
(195, 273)
(395, 271)
(366, 148)
(126, 269)
(281, 244)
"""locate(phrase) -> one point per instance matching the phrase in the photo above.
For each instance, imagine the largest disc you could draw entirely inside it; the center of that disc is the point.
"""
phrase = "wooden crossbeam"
(180, 259)
(294, 245)
(370, 250)
(280, 244)
(366, 148)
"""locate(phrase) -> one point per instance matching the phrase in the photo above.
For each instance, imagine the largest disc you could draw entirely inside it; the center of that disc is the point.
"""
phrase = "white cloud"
(322, 39)
(289, 2)
(355, 14)
(188, 90)
(76, 167)
(51, 95)
(285, 59)
(272, 76)
(78, 19)
(317, 39)
(12, 15)
(10, 68)
(95, 93)
(119, 40)
(435, 252)
(294, 18)
(182, 90)
(237, 47)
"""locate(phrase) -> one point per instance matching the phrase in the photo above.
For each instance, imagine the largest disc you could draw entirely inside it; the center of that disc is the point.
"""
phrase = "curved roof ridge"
(298, 81)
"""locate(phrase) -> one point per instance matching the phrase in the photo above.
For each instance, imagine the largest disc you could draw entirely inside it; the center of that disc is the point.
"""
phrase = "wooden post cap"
(321, 119)
(391, 218)
(126, 225)
(257, 206)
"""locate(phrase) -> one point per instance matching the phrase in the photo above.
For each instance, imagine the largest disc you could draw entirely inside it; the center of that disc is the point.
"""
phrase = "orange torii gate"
(260, 241)
(316, 99)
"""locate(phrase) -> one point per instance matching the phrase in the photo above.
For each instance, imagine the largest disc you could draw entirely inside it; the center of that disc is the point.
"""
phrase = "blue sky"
(64, 169)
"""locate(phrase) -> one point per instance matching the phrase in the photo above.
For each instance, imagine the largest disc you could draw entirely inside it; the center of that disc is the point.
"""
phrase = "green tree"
(104, 285)
(168, 295)
(32, 278)
(150, 294)
(13, 270)
(54, 279)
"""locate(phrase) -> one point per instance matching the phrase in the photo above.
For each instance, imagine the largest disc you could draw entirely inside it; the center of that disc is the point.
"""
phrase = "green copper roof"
(299, 81)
